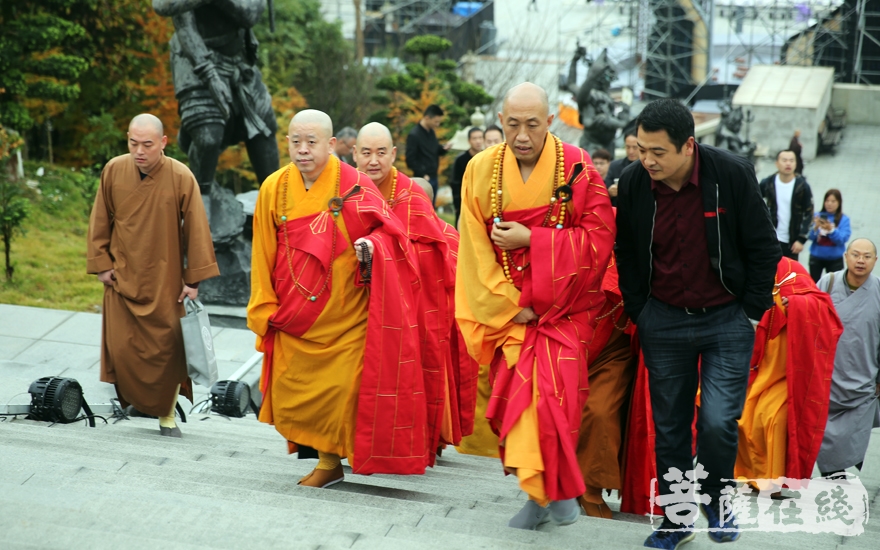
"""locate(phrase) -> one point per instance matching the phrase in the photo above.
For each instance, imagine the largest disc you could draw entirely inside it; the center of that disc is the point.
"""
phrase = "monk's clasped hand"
(359, 252)
(511, 235)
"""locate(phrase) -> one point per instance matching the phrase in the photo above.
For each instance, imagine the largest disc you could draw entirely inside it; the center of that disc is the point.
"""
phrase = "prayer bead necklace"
(335, 210)
(496, 197)
(390, 199)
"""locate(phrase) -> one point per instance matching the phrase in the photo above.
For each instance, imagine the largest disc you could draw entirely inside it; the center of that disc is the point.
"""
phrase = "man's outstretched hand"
(107, 277)
(511, 235)
(188, 291)
(359, 252)
(527, 315)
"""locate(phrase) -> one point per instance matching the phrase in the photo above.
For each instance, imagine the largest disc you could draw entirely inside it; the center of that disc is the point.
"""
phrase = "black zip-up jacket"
(742, 244)
(801, 207)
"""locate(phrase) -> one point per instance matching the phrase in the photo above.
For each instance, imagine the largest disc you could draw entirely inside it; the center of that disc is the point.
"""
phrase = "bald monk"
(148, 215)
(786, 407)
(537, 231)
(375, 154)
(332, 296)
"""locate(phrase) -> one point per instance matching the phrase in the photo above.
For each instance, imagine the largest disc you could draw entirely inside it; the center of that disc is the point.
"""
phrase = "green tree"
(310, 54)
(425, 45)
(38, 58)
(13, 206)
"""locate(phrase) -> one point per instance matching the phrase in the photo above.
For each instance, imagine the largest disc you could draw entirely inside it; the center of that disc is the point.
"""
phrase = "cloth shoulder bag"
(201, 364)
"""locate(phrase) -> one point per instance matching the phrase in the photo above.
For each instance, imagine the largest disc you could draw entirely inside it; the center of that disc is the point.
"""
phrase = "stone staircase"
(230, 484)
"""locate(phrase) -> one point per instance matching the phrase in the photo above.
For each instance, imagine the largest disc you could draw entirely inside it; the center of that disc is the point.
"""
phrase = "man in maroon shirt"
(697, 255)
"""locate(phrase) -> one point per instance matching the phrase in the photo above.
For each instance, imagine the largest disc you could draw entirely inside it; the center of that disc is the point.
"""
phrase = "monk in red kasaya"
(786, 409)
(537, 233)
(435, 248)
(332, 304)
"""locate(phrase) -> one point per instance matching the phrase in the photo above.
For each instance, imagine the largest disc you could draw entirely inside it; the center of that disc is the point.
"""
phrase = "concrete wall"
(774, 127)
(861, 101)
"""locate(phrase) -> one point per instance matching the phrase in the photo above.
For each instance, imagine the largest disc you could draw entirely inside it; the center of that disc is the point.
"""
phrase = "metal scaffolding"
(678, 46)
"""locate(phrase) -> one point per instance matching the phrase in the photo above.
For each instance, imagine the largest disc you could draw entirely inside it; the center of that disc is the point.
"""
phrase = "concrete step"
(152, 516)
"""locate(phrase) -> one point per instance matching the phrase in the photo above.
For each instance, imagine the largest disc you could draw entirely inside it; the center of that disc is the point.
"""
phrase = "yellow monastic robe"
(143, 229)
(483, 442)
(485, 308)
(763, 426)
(313, 391)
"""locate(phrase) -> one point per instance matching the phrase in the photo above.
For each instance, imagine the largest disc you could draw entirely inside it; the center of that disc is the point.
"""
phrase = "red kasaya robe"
(435, 245)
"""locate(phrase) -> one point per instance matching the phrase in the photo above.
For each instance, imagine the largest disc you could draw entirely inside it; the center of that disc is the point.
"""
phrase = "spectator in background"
(796, 148)
(829, 234)
(602, 161)
(345, 140)
(475, 140)
(631, 142)
(790, 201)
(492, 136)
(423, 151)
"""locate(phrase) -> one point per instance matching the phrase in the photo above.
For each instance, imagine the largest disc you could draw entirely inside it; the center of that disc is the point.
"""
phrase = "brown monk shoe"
(322, 478)
(593, 504)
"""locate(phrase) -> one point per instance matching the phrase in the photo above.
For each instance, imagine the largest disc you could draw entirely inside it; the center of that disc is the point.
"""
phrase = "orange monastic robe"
(538, 372)
(340, 372)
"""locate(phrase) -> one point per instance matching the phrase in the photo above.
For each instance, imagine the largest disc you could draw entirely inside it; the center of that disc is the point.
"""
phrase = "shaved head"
(525, 118)
(147, 121)
(375, 153)
(860, 243)
(310, 143)
(426, 187)
(146, 142)
(528, 94)
(375, 130)
(313, 117)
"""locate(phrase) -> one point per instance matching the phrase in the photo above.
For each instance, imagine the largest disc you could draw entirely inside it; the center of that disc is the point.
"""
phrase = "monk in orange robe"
(332, 304)
(148, 215)
(783, 420)
(433, 246)
(537, 232)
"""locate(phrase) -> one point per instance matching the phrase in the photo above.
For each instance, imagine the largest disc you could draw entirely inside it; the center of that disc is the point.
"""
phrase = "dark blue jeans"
(674, 343)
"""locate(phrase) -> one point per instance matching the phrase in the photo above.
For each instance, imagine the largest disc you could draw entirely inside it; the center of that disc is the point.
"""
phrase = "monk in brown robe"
(603, 421)
(148, 215)
(332, 305)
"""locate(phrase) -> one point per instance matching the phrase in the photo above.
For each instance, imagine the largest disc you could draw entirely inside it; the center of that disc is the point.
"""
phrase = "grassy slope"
(50, 257)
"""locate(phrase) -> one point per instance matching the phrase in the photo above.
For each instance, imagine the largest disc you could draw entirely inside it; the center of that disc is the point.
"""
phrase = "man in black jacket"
(696, 255)
(423, 151)
(790, 201)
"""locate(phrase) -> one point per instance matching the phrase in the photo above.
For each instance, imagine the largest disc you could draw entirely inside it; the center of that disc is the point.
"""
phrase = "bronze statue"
(727, 133)
(222, 101)
(599, 113)
(220, 92)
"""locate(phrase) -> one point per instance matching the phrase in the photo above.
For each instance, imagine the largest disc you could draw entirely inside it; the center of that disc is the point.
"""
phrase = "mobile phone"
(825, 215)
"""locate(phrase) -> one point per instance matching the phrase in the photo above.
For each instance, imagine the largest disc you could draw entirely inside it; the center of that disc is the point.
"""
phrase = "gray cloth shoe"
(170, 432)
(529, 517)
(564, 512)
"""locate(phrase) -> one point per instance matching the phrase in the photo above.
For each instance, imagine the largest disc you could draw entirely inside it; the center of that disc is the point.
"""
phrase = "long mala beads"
(496, 198)
(390, 199)
(301, 289)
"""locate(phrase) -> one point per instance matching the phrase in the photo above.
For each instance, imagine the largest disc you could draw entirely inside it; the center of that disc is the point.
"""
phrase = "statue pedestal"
(233, 251)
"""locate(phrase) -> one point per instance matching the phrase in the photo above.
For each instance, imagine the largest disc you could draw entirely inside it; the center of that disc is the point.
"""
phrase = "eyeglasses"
(857, 256)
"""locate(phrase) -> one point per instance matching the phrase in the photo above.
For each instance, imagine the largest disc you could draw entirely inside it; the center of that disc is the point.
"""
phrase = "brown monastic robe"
(142, 229)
